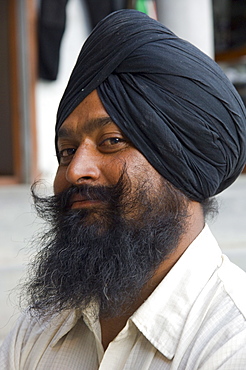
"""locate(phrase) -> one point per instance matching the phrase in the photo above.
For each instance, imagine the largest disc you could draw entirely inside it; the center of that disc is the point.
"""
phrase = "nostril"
(81, 179)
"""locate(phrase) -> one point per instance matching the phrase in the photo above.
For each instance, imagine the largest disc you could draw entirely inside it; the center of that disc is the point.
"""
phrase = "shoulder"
(30, 334)
(220, 336)
(213, 334)
(233, 280)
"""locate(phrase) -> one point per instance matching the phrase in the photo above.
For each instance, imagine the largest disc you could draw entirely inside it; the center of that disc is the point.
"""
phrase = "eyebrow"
(88, 127)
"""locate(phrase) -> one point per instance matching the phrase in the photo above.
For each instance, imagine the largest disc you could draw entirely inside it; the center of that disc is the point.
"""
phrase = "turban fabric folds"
(171, 100)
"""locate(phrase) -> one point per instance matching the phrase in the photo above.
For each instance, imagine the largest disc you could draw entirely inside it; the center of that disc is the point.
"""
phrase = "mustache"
(48, 207)
(86, 192)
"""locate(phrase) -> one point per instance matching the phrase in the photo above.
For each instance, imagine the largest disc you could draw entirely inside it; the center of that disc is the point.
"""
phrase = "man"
(128, 275)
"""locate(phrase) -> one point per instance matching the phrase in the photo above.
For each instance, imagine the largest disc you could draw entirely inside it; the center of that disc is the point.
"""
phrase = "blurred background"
(40, 41)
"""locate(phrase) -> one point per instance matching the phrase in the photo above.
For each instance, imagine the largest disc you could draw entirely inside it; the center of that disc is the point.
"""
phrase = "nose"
(84, 167)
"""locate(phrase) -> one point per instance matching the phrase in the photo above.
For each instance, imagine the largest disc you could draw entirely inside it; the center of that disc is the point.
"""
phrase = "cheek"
(140, 168)
(60, 182)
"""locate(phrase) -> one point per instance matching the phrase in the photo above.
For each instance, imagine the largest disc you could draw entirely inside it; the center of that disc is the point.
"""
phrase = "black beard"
(103, 255)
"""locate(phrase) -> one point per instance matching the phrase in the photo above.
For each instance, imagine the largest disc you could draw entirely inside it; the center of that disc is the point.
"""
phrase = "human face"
(96, 253)
(94, 151)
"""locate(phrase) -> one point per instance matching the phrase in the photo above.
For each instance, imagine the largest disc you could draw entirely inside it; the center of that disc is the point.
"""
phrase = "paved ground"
(18, 223)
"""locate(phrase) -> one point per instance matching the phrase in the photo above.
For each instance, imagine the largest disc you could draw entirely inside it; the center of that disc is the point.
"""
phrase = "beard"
(103, 255)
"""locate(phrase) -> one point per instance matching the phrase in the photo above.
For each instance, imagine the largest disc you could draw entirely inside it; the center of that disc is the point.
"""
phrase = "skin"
(93, 151)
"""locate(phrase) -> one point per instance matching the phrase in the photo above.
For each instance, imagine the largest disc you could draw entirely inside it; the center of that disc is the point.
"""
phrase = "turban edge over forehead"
(171, 100)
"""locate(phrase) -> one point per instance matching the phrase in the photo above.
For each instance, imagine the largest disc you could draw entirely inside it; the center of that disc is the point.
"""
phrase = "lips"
(80, 201)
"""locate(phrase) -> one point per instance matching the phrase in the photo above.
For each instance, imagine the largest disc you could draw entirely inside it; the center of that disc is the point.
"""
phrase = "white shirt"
(195, 319)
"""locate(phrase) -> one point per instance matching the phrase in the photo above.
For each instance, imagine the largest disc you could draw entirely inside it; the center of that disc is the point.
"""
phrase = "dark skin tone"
(93, 150)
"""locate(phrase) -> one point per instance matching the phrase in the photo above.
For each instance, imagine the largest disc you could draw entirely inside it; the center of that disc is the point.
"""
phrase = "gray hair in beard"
(109, 259)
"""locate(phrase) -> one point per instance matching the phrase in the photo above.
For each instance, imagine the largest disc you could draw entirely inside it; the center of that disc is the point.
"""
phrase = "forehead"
(85, 128)
(88, 116)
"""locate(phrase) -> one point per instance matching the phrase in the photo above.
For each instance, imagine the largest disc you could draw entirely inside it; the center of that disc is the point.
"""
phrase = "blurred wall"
(48, 94)
(191, 20)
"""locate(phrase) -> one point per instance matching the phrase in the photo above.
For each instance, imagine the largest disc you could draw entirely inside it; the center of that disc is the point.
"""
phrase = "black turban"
(171, 100)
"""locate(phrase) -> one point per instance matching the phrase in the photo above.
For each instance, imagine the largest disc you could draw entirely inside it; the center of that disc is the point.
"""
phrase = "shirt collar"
(163, 315)
(65, 321)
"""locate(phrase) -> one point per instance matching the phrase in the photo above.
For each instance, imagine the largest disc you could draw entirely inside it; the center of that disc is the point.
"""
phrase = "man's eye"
(112, 143)
(66, 154)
